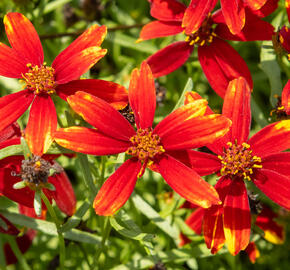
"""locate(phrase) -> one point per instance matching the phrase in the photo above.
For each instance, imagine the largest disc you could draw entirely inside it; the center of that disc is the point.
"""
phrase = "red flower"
(259, 159)
(286, 98)
(35, 173)
(198, 26)
(287, 6)
(25, 61)
(185, 128)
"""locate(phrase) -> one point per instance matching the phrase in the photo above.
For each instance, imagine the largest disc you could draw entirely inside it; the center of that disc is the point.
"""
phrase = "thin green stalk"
(2, 257)
(103, 169)
(17, 252)
(58, 227)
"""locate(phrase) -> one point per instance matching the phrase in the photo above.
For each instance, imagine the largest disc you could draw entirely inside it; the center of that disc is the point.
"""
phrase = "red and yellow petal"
(274, 232)
(271, 139)
(268, 8)
(111, 92)
(77, 64)
(202, 163)
(157, 29)
(101, 115)
(142, 96)
(196, 132)
(92, 37)
(237, 107)
(256, 4)
(13, 106)
(63, 194)
(186, 182)
(180, 115)
(23, 38)
(278, 162)
(117, 189)
(234, 14)
(276, 186)
(169, 58)
(286, 98)
(12, 65)
(89, 141)
(167, 10)
(11, 132)
(194, 221)
(220, 67)
(196, 13)
(252, 252)
(42, 123)
(193, 96)
(287, 6)
(237, 217)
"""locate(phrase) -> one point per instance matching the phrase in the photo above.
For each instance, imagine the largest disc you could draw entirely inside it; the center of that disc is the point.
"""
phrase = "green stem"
(103, 169)
(17, 252)
(58, 227)
(2, 257)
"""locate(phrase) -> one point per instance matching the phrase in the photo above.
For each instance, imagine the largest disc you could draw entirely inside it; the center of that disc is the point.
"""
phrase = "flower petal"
(92, 37)
(11, 64)
(202, 163)
(64, 194)
(274, 232)
(157, 29)
(196, 13)
(220, 67)
(286, 97)
(12, 131)
(194, 221)
(167, 10)
(13, 106)
(271, 139)
(193, 96)
(268, 8)
(287, 6)
(196, 132)
(276, 186)
(180, 115)
(237, 107)
(117, 188)
(111, 92)
(41, 125)
(256, 4)
(254, 29)
(213, 220)
(252, 252)
(186, 182)
(101, 115)
(142, 96)
(23, 38)
(77, 64)
(169, 58)
(234, 14)
(89, 141)
(237, 217)
(278, 162)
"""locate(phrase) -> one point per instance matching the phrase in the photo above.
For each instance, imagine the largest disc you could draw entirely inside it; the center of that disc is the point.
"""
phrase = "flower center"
(40, 80)
(204, 35)
(145, 145)
(238, 160)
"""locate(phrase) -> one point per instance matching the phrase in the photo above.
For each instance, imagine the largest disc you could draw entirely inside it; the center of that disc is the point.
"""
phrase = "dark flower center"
(238, 160)
(145, 145)
(204, 35)
(40, 80)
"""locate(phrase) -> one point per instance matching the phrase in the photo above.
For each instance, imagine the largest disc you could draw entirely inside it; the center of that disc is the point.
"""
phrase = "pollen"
(145, 145)
(238, 160)
(204, 35)
(40, 80)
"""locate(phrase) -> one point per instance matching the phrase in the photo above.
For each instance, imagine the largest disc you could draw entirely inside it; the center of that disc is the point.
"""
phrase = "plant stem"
(57, 224)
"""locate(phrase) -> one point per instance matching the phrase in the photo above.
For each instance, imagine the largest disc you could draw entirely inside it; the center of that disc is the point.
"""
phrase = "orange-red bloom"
(198, 25)
(24, 60)
(286, 98)
(185, 128)
(35, 173)
(259, 159)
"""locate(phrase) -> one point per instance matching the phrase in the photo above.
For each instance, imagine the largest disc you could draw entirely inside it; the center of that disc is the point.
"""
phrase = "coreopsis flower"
(285, 99)
(24, 60)
(185, 128)
(208, 33)
(35, 174)
(259, 159)
(266, 220)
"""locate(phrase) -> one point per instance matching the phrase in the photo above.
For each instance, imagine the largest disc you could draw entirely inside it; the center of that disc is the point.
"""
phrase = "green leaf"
(19, 185)
(160, 222)
(12, 150)
(188, 87)
(3, 224)
(50, 228)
